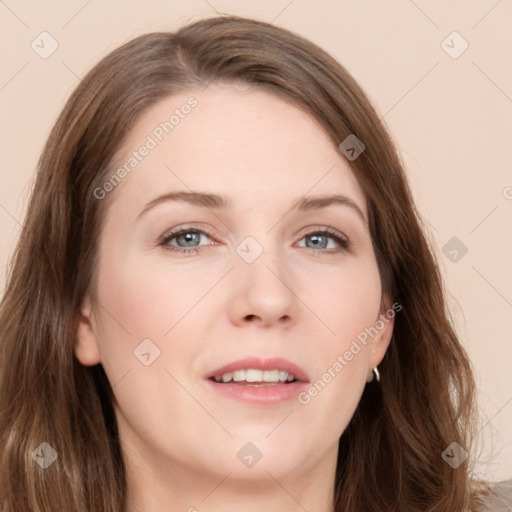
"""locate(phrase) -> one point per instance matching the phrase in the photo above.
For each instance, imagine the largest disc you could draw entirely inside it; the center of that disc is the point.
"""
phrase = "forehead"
(242, 142)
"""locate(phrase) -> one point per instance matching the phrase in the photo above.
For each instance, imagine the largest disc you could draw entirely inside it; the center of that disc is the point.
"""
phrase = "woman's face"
(264, 278)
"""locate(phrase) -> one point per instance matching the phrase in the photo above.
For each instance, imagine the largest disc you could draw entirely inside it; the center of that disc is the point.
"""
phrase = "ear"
(384, 324)
(86, 345)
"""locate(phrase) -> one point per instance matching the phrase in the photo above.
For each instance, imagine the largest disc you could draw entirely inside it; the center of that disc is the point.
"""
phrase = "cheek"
(348, 303)
(140, 305)
(145, 300)
(148, 301)
(347, 300)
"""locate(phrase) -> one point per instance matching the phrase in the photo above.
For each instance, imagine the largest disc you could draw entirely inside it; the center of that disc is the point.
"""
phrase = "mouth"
(257, 380)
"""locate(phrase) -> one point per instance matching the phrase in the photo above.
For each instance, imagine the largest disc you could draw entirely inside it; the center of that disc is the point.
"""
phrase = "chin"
(252, 457)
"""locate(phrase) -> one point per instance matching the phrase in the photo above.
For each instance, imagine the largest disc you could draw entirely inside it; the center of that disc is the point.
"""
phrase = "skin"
(297, 300)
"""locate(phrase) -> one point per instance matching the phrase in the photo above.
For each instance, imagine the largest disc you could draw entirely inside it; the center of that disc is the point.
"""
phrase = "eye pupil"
(189, 237)
(315, 239)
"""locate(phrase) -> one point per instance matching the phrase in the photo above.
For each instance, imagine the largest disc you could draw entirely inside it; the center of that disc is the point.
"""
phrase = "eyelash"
(335, 235)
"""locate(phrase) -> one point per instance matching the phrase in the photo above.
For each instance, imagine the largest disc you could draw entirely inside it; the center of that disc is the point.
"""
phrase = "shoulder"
(495, 496)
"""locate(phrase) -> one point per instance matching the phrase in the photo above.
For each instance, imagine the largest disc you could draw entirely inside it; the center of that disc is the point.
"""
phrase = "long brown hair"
(390, 456)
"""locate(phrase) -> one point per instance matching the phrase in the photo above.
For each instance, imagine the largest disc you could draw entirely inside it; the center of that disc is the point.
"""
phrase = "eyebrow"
(217, 202)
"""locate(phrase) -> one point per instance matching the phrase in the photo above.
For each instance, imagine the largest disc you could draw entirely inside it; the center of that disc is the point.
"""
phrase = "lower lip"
(259, 394)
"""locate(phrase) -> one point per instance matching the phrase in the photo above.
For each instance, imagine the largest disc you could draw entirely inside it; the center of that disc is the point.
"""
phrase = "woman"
(301, 357)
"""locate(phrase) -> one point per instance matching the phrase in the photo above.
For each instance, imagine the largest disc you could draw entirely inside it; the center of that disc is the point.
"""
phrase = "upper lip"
(261, 363)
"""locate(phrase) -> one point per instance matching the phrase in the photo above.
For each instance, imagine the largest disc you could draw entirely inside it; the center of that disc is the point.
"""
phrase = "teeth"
(227, 377)
(239, 375)
(252, 375)
(271, 376)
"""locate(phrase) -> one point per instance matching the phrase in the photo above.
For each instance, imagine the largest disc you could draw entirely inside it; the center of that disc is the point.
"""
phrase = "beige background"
(451, 117)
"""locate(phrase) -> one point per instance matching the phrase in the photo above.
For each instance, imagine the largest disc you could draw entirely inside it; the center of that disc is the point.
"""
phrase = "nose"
(263, 293)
